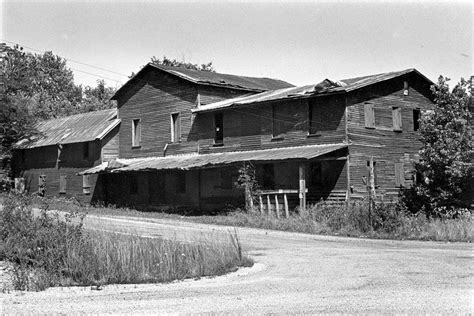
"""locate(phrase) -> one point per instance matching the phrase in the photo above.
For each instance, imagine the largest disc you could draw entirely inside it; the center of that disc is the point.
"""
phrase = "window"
(218, 129)
(85, 150)
(405, 87)
(397, 118)
(180, 182)
(133, 185)
(86, 187)
(375, 173)
(268, 176)
(399, 174)
(369, 115)
(315, 119)
(136, 133)
(175, 128)
(62, 183)
(416, 119)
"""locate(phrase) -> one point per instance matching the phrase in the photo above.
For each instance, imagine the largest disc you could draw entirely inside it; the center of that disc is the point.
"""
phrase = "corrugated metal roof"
(77, 128)
(324, 87)
(194, 161)
(216, 79)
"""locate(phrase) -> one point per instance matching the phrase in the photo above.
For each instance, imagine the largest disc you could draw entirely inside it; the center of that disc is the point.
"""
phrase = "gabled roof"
(324, 87)
(214, 79)
(196, 161)
(77, 128)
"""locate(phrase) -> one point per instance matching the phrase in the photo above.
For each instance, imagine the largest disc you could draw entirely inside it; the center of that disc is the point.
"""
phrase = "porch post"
(302, 189)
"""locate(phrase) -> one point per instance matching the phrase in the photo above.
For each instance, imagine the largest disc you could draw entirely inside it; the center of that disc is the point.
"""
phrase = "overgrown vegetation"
(445, 165)
(49, 250)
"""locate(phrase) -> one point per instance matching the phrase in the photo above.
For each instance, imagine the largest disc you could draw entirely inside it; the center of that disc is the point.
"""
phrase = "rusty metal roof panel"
(77, 128)
(324, 87)
(195, 161)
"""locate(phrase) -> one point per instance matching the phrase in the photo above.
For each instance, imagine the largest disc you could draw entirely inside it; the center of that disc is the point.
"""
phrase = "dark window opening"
(268, 176)
(175, 128)
(136, 133)
(180, 182)
(397, 118)
(218, 129)
(369, 115)
(85, 150)
(133, 184)
(416, 119)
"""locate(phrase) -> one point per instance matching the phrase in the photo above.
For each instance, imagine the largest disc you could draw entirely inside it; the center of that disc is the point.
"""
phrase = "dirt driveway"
(294, 273)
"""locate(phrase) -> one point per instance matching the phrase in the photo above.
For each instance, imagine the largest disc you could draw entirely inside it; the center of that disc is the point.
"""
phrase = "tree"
(446, 154)
(97, 98)
(175, 63)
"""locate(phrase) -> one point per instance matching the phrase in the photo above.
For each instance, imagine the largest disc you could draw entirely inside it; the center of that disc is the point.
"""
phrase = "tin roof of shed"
(196, 161)
(77, 128)
(216, 79)
(324, 87)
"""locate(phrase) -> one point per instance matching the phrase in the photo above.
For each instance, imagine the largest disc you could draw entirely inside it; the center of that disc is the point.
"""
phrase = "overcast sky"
(301, 43)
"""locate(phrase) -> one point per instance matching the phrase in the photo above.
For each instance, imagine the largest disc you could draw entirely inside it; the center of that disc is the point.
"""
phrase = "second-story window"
(175, 128)
(416, 119)
(397, 118)
(136, 133)
(85, 150)
(218, 129)
(369, 115)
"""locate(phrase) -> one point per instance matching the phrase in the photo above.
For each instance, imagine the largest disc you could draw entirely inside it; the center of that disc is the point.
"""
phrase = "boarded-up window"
(180, 182)
(315, 119)
(397, 118)
(175, 128)
(218, 129)
(136, 133)
(399, 174)
(62, 183)
(369, 115)
(86, 186)
(416, 119)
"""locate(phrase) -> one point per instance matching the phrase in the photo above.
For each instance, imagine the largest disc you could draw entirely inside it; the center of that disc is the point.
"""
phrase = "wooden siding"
(110, 145)
(386, 145)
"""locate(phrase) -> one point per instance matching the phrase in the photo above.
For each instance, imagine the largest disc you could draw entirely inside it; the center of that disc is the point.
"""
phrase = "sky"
(299, 42)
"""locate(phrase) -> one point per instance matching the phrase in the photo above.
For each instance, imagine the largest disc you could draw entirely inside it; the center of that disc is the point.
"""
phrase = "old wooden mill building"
(179, 136)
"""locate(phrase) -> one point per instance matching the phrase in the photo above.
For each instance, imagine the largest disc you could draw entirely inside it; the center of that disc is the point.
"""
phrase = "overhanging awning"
(196, 161)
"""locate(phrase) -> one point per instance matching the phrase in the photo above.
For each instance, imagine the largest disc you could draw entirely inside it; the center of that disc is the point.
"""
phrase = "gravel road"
(294, 273)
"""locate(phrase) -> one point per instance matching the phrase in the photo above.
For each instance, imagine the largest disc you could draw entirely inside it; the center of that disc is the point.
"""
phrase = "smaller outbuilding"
(49, 161)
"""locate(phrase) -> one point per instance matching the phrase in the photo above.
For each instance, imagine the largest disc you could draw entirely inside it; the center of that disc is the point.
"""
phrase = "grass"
(384, 221)
(47, 250)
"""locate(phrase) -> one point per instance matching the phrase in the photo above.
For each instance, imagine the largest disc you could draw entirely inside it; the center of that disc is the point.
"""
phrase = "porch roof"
(196, 161)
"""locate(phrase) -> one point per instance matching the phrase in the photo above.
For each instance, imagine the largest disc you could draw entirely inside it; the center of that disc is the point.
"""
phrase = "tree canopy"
(446, 155)
(188, 65)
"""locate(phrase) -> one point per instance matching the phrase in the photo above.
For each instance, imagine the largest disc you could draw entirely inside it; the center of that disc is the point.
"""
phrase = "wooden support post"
(287, 211)
(261, 204)
(302, 188)
(269, 205)
(371, 187)
(277, 207)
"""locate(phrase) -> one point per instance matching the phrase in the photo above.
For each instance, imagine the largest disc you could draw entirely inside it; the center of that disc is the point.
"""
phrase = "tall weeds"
(48, 250)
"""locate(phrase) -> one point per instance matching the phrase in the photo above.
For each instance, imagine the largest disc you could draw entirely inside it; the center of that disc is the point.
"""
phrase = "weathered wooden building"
(63, 147)
(185, 133)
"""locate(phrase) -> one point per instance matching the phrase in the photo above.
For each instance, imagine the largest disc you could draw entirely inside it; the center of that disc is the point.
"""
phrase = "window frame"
(175, 127)
(136, 129)
(416, 119)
